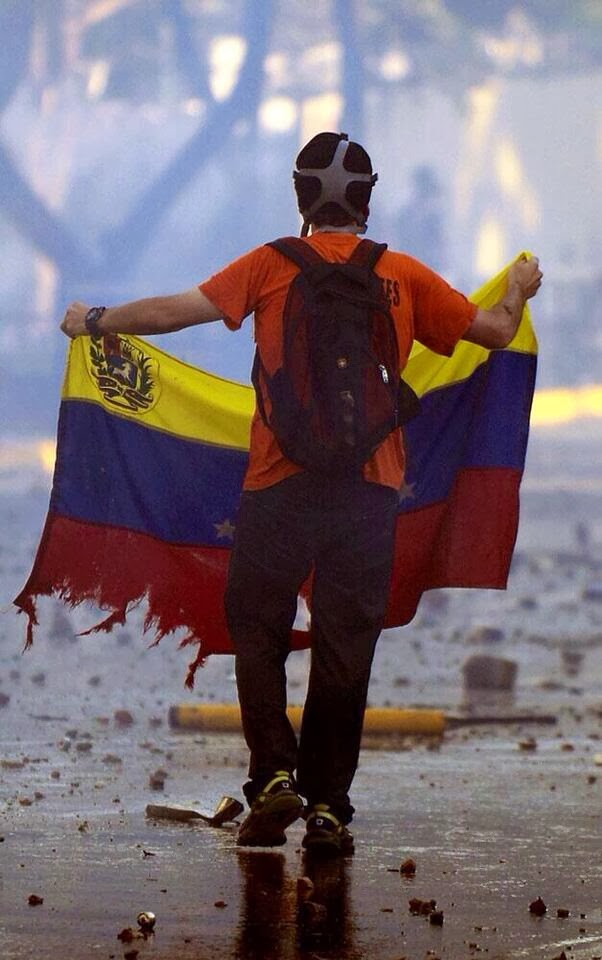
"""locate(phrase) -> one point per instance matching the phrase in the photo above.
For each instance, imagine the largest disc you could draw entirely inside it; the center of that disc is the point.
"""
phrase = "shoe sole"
(326, 845)
(265, 828)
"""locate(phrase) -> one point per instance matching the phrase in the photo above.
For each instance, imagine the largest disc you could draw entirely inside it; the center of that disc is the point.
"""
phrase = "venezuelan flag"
(151, 455)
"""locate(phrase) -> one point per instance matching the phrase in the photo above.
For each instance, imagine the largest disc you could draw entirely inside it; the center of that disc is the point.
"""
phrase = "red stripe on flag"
(114, 568)
(464, 541)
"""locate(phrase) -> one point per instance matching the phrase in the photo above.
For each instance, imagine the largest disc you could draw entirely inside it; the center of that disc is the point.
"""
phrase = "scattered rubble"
(123, 718)
(483, 672)
(156, 780)
(485, 633)
(422, 908)
(408, 868)
(537, 907)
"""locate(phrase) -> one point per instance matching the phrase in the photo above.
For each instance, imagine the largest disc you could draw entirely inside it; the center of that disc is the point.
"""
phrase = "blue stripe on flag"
(117, 472)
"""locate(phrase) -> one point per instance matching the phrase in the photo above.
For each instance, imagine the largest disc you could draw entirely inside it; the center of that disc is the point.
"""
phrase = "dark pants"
(343, 530)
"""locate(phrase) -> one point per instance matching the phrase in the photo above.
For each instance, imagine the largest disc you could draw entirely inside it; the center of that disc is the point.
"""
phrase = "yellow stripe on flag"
(184, 400)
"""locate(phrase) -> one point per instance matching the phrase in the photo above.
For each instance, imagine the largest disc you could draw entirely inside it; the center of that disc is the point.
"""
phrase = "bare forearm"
(148, 316)
(507, 315)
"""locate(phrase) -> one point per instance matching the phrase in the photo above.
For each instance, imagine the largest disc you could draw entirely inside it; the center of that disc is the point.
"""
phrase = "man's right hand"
(494, 328)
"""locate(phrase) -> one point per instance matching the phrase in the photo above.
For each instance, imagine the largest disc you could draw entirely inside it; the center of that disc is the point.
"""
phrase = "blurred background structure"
(144, 143)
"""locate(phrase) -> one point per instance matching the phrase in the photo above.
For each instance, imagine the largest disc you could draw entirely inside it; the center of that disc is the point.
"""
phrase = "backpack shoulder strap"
(297, 250)
(367, 253)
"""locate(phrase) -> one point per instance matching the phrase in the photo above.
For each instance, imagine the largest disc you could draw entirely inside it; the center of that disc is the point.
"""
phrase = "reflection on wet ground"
(267, 916)
(282, 914)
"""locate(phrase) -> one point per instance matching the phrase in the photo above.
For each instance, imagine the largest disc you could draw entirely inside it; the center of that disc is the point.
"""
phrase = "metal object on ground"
(226, 811)
(146, 921)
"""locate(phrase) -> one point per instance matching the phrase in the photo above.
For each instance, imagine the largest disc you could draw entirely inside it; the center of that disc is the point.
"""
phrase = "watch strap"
(91, 321)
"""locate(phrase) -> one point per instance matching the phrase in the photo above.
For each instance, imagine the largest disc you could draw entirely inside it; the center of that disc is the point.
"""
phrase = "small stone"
(436, 918)
(156, 780)
(562, 913)
(12, 764)
(35, 901)
(485, 634)
(422, 908)
(220, 904)
(123, 718)
(537, 907)
(529, 744)
(112, 758)
(483, 672)
(408, 868)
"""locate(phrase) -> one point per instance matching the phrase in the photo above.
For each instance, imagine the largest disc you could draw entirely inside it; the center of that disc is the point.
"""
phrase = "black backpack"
(338, 393)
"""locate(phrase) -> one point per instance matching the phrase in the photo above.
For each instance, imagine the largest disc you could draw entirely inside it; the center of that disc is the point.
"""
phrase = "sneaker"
(325, 833)
(272, 811)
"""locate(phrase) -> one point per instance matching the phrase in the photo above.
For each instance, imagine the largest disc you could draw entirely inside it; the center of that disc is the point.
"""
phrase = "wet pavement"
(491, 827)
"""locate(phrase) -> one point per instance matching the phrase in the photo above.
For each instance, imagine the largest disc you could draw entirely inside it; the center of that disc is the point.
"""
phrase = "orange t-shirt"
(423, 306)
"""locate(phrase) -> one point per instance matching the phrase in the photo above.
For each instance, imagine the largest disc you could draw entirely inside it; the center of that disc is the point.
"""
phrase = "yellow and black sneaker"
(325, 834)
(272, 811)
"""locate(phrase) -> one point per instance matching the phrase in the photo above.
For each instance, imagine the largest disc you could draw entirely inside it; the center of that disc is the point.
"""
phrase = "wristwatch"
(91, 321)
